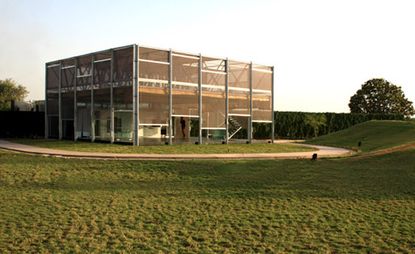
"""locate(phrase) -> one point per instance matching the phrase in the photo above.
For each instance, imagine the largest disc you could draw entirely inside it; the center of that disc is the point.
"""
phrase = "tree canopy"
(380, 96)
(10, 91)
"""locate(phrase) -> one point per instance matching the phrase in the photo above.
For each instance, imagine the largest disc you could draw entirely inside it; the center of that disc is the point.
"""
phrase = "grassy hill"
(374, 135)
(348, 205)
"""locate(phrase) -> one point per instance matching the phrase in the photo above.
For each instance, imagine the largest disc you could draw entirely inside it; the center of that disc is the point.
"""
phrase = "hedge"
(303, 125)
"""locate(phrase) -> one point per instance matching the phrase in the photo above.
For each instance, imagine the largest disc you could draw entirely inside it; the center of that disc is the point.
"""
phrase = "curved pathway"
(323, 151)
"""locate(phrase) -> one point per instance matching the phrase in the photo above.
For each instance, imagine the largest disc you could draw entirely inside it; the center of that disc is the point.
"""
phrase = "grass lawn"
(374, 135)
(52, 205)
(164, 149)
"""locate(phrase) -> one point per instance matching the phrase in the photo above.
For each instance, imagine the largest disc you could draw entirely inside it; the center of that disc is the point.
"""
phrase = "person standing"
(183, 125)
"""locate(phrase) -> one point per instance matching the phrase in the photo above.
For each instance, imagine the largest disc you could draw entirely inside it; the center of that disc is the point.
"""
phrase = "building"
(146, 95)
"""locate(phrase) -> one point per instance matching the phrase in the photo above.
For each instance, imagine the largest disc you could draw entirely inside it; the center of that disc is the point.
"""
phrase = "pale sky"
(322, 50)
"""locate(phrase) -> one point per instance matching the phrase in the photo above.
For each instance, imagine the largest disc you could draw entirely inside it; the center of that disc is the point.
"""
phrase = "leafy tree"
(9, 91)
(382, 97)
(315, 121)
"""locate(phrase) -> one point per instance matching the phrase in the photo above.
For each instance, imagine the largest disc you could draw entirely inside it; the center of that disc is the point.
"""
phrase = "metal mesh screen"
(53, 103)
(123, 98)
(123, 67)
(213, 101)
(261, 94)
(84, 72)
(68, 78)
(239, 98)
(102, 74)
(213, 64)
(261, 80)
(238, 102)
(185, 86)
(153, 93)
(154, 54)
(52, 76)
(261, 107)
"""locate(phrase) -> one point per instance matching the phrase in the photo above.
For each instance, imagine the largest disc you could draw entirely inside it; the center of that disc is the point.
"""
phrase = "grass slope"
(374, 135)
(55, 205)
(163, 149)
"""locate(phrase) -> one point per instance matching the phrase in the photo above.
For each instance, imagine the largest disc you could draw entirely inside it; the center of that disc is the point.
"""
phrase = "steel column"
(136, 103)
(46, 103)
(227, 101)
(199, 80)
(272, 107)
(112, 98)
(60, 101)
(170, 97)
(75, 110)
(250, 104)
(92, 101)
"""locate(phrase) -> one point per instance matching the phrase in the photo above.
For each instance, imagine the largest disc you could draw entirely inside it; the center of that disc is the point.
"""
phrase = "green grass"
(55, 205)
(164, 149)
(374, 135)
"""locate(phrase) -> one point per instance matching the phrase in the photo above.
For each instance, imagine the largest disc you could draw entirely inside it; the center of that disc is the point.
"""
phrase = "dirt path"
(322, 152)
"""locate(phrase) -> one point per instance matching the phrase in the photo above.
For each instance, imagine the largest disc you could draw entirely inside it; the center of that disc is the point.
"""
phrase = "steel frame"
(89, 71)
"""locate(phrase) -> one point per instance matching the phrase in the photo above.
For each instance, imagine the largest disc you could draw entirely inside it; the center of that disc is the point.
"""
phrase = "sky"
(322, 50)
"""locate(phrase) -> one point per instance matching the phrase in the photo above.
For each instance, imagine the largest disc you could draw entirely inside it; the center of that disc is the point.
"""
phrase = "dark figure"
(359, 144)
(314, 157)
(183, 125)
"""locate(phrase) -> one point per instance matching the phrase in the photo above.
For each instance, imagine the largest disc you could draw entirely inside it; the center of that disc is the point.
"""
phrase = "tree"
(380, 96)
(10, 91)
(315, 121)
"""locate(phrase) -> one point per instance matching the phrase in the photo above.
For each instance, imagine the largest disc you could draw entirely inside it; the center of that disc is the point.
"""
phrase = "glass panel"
(123, 126)
(102, 114)
(185, 86)
(67, 129)
(154, 54)
(53, 123)
(153, 93)
(83, 115)
(213, 136)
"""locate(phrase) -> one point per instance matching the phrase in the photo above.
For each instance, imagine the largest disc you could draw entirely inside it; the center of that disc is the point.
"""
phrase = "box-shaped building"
(146, 95)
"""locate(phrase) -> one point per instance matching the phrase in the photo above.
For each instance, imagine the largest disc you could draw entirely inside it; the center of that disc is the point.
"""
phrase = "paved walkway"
(323, 151)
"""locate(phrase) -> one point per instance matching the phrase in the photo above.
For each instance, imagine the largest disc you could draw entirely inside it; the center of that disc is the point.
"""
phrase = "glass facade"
(145, 96)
